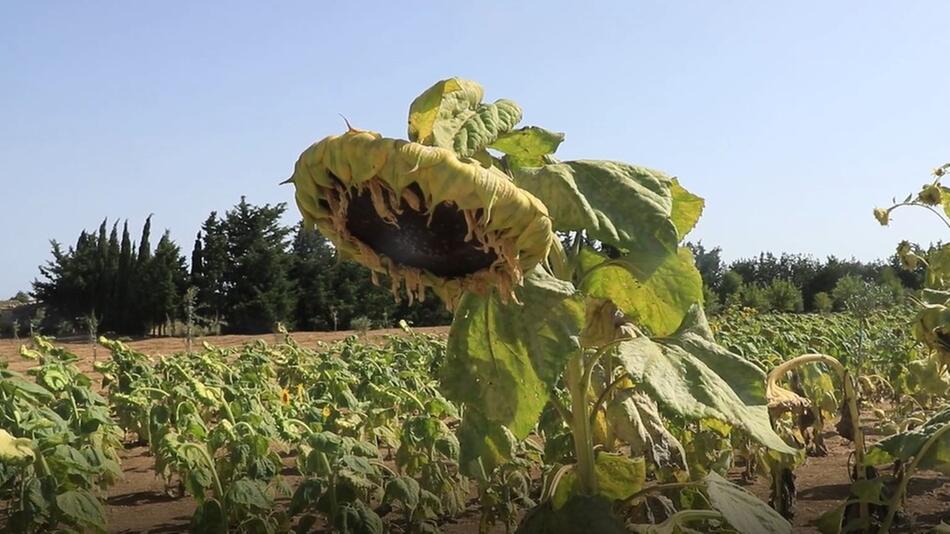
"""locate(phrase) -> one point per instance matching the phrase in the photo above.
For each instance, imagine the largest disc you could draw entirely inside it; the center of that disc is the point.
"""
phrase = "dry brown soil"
(139, 503)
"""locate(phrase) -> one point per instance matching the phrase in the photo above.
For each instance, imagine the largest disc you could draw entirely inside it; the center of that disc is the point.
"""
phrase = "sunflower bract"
(421, 215)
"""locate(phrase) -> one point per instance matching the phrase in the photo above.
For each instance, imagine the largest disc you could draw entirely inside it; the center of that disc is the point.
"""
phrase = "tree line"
(798, 282)
(247, 273)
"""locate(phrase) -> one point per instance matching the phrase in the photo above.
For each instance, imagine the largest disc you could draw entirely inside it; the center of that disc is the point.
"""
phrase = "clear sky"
(792, 119)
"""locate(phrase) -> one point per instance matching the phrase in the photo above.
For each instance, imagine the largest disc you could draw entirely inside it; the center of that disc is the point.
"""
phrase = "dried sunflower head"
(421, 215)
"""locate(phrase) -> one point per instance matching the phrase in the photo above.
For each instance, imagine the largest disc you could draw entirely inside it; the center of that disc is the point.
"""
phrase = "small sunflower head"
(930, 195)
(905, 252)
(882, 215)
(421, 215)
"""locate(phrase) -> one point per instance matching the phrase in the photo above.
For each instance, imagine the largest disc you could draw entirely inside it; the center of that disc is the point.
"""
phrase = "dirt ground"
(139, 503)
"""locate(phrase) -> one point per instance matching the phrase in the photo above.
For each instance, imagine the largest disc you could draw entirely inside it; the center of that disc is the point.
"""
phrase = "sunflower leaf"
(623, 205)
(683, 384)
(526, 147)
(483, 128)
(505, 358)
(436, 115)
(656, 292)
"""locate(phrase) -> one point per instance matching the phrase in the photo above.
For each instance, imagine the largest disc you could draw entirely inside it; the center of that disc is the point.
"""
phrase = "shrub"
(823, 302)
(784, 296)
(361, 324)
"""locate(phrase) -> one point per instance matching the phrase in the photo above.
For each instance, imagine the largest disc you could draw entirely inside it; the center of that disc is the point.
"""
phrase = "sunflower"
(421, 215)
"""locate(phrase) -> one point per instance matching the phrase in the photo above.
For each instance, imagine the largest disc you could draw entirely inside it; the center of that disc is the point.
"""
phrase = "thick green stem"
(895, 503)
(580, 425)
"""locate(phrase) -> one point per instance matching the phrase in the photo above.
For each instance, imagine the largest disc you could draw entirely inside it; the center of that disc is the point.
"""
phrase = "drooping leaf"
(249, 493)
(623, 205)
(306, 495)
(15, 384)
(579, 515)
(831, 521)
(403, 490)
(744, 377)
(358, 518)
(484, 444)
(436, 115)
(505, 358)
(83, 509)
(906, 445)
(15, 451)
(526, 147)
(483, 128)
(635, 418)
(618, 478)
(745, 512)
(682, 384)
(657, 298)
(687, 208)
(210, 517)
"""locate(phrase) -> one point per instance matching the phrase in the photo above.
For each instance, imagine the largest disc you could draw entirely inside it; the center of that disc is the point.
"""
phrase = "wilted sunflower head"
(421, 215)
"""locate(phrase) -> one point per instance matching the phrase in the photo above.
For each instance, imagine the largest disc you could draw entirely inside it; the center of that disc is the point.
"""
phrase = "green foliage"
(581, 327)
(127, 292)
(58, 446)
(784, 296)
(823, 302)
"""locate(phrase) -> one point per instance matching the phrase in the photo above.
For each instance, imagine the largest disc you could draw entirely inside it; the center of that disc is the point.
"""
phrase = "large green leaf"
(483, 128)
(82, 508)
(744, 511)
(906, 445)
(484, 444)
(505, 358)
(681, 383)
(358, 518)
(623, 205)
(403, 490)
(526, 147)
(743, 376)
(580, 515)
(15, 451)
(249, 494)
(655, 296)
(618, 478)
(437, 114)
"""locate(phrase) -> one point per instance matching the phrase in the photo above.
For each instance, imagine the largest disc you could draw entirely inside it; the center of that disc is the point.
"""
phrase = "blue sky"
(793, 120)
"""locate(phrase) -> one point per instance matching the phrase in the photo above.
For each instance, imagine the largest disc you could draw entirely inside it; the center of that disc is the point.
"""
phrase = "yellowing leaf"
(437, 114)
(687, 208)
(16, 451)
(657, 299)
(618, 478)
(526, 147)
(623, 205)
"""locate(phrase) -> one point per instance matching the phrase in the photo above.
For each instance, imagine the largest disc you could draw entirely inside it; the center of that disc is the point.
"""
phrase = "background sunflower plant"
(578, 315)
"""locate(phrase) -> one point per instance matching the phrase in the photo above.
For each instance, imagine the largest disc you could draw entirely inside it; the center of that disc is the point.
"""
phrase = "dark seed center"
(438, 246)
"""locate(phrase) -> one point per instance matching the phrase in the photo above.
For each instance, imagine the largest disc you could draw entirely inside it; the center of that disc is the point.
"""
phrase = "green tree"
(166, 278)
(311, 272)
(730, 284)
(259, 293)
(210, 275)
(823, 302)
(784, 296)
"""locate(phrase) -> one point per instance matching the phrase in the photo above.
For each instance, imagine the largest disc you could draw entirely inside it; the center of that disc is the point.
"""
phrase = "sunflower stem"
(580, 426)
